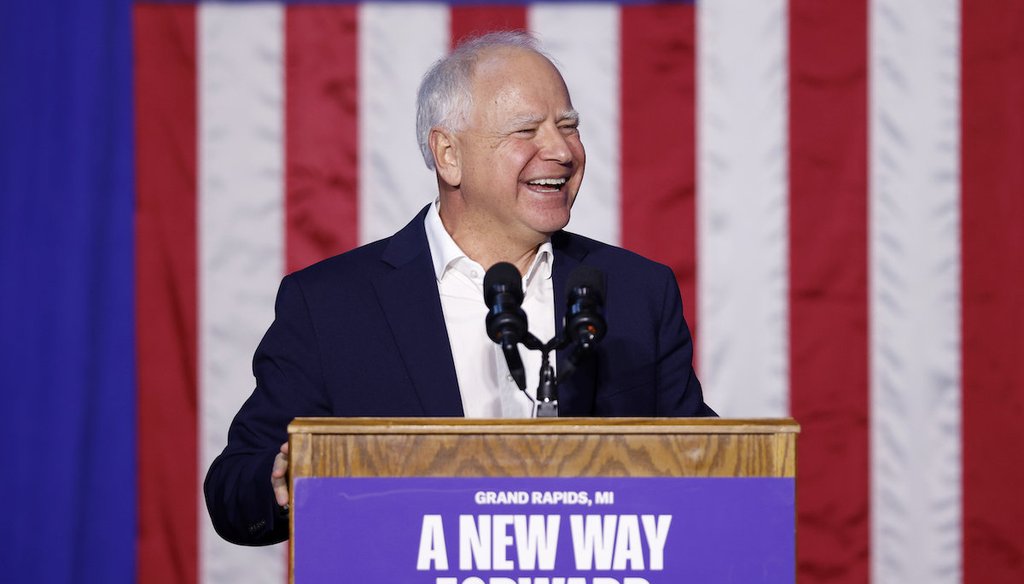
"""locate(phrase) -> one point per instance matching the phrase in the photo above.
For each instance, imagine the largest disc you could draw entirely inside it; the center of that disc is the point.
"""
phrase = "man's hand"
(279, 476)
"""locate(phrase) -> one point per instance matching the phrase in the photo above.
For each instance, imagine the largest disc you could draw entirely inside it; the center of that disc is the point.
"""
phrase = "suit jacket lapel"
(412, 307)
(410, 299)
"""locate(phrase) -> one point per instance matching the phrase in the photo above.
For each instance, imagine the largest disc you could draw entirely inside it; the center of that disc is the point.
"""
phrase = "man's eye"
(526, 131)
(569, 129)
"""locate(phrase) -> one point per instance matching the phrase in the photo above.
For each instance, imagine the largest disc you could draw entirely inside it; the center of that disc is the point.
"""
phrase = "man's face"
(522, 158)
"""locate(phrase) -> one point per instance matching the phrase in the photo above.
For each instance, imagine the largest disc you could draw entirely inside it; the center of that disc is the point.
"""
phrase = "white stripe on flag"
(241, 256)
(589, 62)
(397, 44)
(742, 206)
(915, 291)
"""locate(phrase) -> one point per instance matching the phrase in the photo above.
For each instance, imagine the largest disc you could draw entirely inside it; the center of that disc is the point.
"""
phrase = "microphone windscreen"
(503, 277)
(588, 277)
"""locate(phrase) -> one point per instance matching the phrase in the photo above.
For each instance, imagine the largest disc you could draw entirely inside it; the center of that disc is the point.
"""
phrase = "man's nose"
(554, 146)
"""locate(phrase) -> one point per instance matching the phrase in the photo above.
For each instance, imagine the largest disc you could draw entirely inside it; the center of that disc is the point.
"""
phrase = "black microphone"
(584, 318)
(506, 320)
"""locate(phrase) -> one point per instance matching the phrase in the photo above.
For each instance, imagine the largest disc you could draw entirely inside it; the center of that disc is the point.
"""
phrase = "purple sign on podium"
(544, 530)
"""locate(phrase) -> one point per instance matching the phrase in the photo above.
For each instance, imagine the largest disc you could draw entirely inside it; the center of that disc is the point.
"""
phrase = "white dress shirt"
(487, 388)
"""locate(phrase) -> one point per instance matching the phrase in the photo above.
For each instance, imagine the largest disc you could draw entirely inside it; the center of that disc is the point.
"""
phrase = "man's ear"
(445, 147)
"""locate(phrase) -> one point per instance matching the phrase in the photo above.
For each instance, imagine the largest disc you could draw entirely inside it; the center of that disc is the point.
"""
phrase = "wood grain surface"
(564, 447)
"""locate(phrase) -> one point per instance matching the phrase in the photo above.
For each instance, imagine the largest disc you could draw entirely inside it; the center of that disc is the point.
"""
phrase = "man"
(396, 327)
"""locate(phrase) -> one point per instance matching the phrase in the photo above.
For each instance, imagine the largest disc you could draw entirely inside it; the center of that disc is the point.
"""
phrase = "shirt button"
(474, 274)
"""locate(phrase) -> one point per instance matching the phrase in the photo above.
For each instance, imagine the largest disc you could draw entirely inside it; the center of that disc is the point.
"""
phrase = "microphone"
(584, 318)
(506, 320)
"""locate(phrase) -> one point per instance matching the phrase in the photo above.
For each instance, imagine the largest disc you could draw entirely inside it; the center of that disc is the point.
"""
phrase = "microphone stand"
(547, 387)
(506, 320)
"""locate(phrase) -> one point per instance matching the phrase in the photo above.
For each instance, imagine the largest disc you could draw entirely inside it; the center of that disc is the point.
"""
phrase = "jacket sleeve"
(679, 390)
(289, 384)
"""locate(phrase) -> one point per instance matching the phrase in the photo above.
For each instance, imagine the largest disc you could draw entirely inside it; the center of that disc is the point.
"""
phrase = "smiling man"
(509, 168)
(396, 327)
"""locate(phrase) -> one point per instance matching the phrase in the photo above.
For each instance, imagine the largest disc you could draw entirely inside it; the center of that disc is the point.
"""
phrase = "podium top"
(543, 426)
(549, 447)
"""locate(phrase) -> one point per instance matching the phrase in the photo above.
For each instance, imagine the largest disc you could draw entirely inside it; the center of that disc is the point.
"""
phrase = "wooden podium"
(561, 449)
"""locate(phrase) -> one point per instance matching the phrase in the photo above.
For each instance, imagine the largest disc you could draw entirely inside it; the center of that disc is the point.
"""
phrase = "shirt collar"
(541, 266)
(446, 253)
(443, 249)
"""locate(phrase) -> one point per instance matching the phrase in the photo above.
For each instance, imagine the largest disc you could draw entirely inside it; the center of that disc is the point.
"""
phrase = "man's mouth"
(548, 184)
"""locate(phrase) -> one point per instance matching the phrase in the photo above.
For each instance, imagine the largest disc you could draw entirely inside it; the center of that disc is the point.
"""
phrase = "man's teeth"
(553, 182)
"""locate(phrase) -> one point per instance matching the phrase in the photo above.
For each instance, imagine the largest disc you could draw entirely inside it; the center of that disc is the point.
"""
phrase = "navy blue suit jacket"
(363, 334)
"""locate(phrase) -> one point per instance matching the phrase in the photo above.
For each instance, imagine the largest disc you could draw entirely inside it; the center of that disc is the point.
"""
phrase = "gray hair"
(445, 97)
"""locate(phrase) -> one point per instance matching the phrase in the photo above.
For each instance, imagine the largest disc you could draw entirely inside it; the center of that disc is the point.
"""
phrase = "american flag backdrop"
(838, 185)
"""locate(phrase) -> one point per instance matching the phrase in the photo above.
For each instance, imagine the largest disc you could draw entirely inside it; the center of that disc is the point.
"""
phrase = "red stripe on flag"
(658, 97)
(471, 20)
(165, 98)
(829, 365)
(993, 290)
(321, 119)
